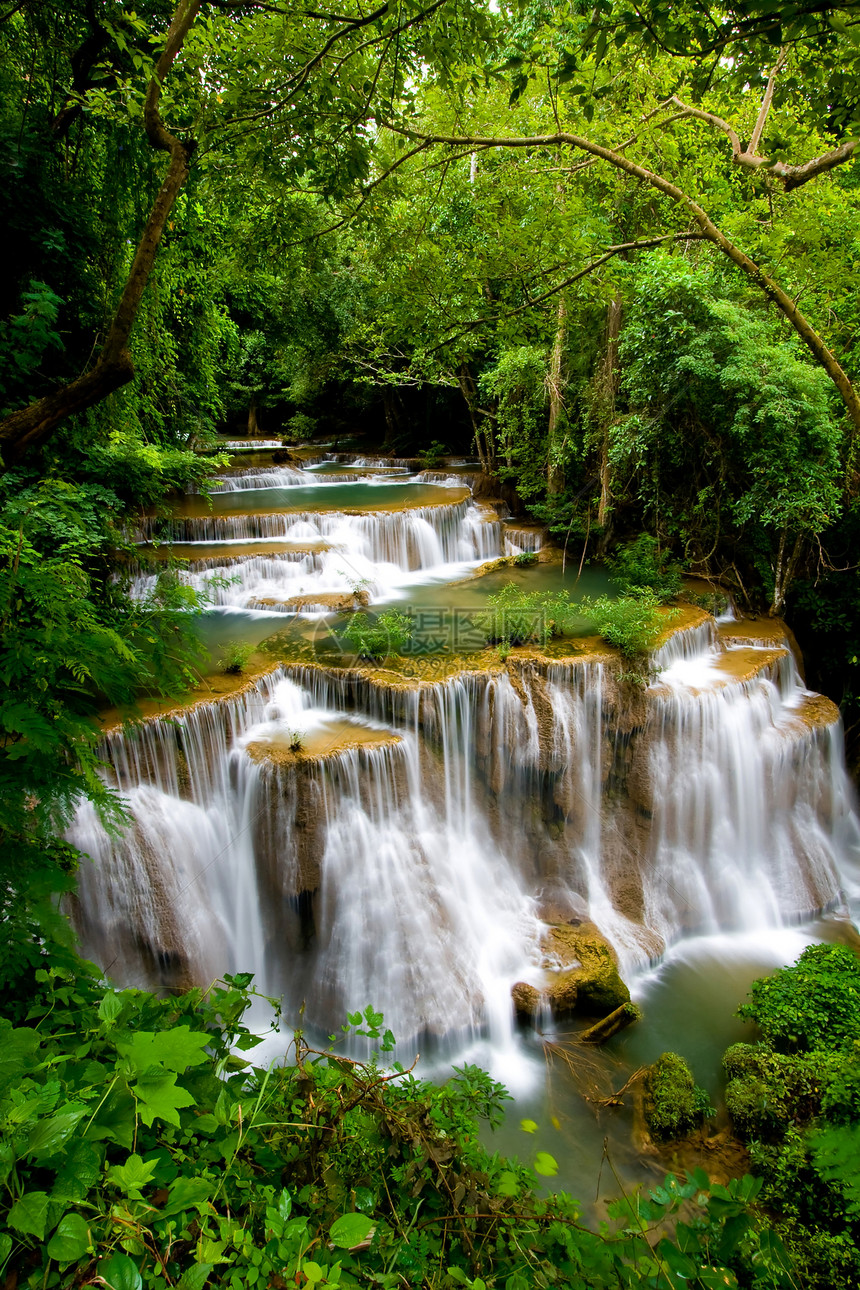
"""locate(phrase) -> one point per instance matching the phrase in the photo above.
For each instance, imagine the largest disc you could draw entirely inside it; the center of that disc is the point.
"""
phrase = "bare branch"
(766, 102)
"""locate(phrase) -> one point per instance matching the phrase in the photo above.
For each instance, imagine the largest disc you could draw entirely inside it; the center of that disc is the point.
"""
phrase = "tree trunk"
(32, 426)
(556, 382)
(608, 379)
(392, 405)
(253, 427)
(481, 440)
(786, 567)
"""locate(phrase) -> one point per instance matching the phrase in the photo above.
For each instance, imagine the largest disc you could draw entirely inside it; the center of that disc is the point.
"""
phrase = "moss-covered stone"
(526, 1001)
(587, 978)
(674, 1104)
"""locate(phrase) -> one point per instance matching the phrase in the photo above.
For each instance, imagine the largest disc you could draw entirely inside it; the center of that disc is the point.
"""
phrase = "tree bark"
(760, 279)
(32, 426)
(608, 389)
(556, 381)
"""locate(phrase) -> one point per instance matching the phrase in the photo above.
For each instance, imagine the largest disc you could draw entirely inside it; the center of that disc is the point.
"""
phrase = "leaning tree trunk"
(32, 426)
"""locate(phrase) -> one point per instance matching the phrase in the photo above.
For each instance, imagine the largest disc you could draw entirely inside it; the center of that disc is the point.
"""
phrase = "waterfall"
(520, 541)
(386, 535)
(374, 550)
(261, 477)
(408, 853)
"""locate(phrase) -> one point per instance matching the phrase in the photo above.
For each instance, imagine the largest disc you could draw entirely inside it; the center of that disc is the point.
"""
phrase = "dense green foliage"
(139, 1147)
(632, 624)
(794, 1097)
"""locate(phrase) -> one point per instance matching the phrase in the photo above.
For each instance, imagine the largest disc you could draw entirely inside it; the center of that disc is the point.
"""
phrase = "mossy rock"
(675, 1106)
(589, 980)
(526, 1001)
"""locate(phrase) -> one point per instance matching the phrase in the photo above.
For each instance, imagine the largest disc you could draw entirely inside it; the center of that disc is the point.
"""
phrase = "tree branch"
(791, 176)
(760, 279)
(766, 102)
(642, 245)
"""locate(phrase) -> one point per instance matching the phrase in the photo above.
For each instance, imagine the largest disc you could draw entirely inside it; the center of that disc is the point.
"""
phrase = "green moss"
(674, 1103)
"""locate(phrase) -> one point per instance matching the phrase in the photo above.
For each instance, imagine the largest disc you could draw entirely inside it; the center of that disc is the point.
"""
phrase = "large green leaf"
(119, 1272)
(195, 1278)
(350, 1230)
(173, 1050)
(17, 1053)
(161, 1098)
(49, 1135)
(29, 1215)
(133, 1176)
(70, 1241)
(187, 1193)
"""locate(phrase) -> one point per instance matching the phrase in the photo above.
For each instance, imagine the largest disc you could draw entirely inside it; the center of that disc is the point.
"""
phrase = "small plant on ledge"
(235, 658)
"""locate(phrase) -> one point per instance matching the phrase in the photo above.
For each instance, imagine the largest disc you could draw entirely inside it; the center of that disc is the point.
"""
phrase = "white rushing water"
(408, 857)
(379, 553)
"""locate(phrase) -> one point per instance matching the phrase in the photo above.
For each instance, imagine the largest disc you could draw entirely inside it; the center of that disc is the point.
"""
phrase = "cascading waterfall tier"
(371, 551)
(354, 841)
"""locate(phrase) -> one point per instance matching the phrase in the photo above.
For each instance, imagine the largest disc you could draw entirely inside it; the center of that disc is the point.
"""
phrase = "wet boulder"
(583, 972)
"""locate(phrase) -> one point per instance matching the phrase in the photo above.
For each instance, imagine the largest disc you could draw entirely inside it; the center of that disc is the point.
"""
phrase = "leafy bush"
(814, 1004)
(235, 657)
(795, 1098)
(674, 1105)
(641, 566)
(300, 428)
(518, 617)
(379, 637)
(525, 558)
(142, 1150)
(631, 623)
(431, 457)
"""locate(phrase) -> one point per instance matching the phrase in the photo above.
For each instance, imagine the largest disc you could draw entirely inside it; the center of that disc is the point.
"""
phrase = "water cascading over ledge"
(415, 862)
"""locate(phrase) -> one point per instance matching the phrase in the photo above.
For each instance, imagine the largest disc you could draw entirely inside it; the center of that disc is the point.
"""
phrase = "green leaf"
(545, 1165)
(161, 1098)
(49, 1135)
(17, 1053)
(115, 1119)
(507, 1184)
(313, 1272)
(5, 1248)
(81, 1169)
(110, 1007)
(349, 1230)
(71, 1240)
(133, 1176)
(528, 1126)
(174, 1050)
(119, 1272)
(29, 1215)
(187, 1193)
(194, 1278)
